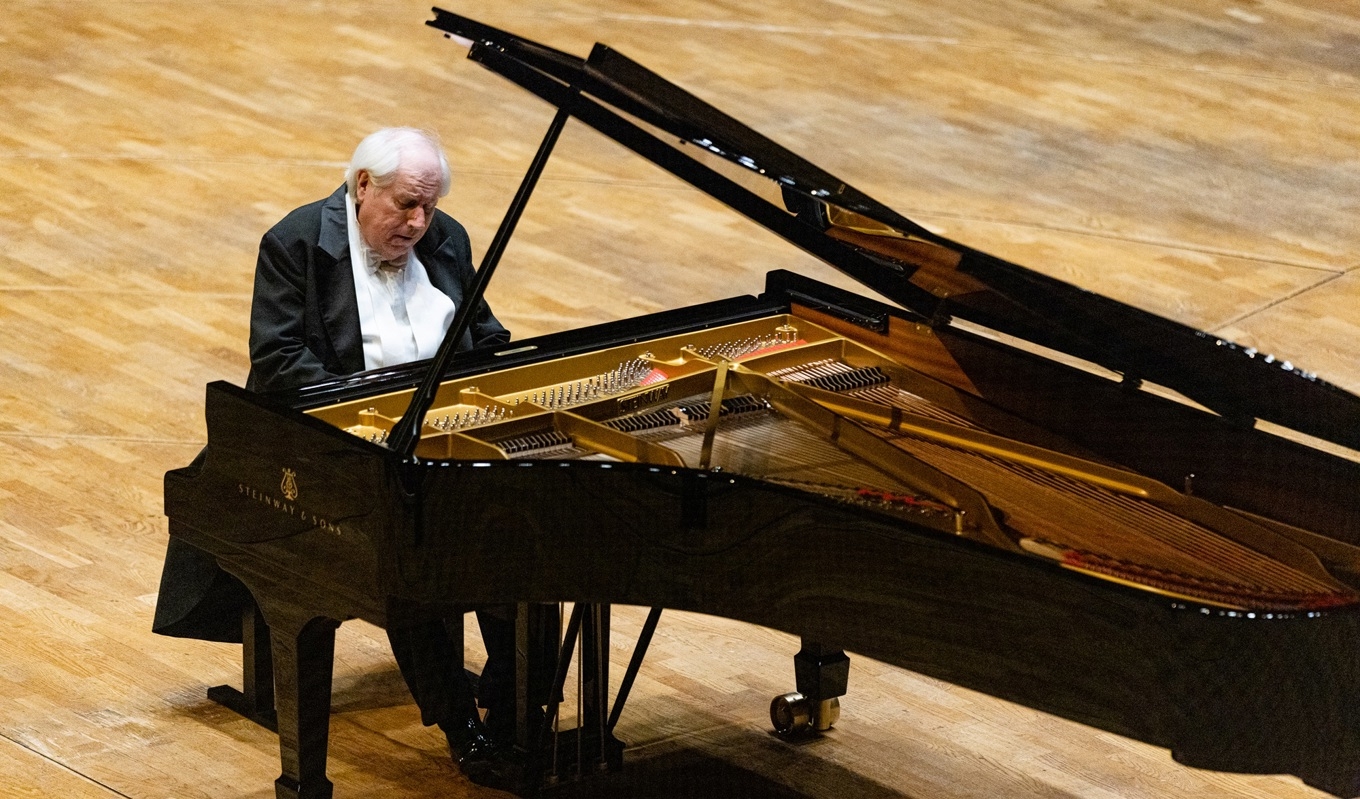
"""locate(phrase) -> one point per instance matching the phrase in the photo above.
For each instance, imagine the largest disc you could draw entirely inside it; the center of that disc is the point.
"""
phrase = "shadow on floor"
(691, 774)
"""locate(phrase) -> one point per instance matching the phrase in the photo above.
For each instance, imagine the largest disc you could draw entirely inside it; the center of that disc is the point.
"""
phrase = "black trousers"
(431, 661)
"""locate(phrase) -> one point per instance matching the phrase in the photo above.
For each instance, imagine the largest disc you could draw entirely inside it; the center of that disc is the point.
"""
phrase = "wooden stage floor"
(1196, 158)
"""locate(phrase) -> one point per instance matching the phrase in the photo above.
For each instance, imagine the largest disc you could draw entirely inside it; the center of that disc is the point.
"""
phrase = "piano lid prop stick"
(406, 434)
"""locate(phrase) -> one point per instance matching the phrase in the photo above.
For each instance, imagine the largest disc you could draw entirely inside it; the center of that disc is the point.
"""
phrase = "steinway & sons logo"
(288, 485)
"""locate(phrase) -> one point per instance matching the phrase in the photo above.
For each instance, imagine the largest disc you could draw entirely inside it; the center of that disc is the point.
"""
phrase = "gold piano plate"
(805, 407)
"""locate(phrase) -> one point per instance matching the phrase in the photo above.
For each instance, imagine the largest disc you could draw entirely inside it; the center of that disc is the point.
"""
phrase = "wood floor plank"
(26, 774)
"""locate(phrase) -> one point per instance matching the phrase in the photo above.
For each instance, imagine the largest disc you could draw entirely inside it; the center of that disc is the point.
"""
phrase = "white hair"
(380, 155)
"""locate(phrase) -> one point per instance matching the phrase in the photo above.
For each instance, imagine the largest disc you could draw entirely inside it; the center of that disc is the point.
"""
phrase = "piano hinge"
(875, 322)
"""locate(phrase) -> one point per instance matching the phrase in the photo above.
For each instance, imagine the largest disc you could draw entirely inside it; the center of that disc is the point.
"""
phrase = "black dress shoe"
(472, 749)
(501, 725)
(502, 772)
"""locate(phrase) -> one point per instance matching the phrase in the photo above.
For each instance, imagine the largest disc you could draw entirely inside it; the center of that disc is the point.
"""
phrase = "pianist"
(368, 277)
(371, 276)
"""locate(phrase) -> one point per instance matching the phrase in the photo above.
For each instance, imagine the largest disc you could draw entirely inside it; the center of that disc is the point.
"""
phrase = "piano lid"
(931, 275)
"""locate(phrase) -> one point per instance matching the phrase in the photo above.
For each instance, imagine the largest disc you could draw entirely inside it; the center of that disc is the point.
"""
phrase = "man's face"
(392, 218)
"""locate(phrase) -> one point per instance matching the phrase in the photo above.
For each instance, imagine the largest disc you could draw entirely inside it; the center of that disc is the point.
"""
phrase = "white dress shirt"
(402, 316)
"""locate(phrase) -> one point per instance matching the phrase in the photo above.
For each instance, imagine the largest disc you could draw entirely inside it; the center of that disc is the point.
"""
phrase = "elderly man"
(371, 276)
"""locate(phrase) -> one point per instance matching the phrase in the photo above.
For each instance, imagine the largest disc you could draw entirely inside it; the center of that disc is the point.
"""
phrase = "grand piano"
(999, 480)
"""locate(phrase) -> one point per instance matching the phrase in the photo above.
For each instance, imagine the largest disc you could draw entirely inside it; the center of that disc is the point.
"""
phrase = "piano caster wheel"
(828, 713)
(793, 714)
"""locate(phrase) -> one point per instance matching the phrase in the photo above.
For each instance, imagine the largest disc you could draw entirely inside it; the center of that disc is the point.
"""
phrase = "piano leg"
(822, 675)
(255, 700)
(304, 654)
